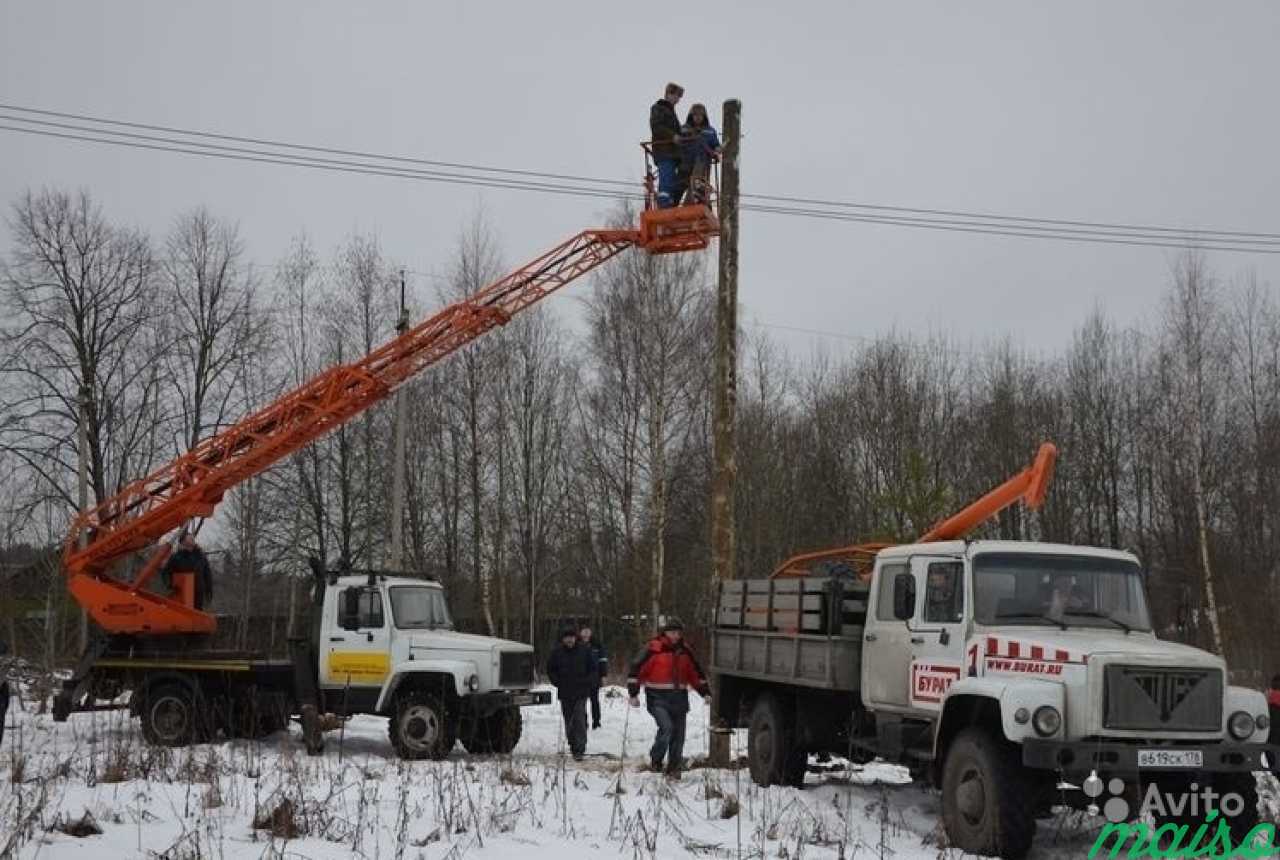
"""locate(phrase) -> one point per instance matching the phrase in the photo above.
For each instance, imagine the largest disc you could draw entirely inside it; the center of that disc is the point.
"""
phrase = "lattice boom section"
(194, 483)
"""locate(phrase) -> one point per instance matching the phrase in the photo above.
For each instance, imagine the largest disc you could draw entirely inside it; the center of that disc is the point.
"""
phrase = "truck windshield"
(417, 608)
(1062, 590)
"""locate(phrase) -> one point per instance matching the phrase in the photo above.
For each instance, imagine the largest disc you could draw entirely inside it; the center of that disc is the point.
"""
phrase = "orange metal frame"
(1028, 486)
(192, 485)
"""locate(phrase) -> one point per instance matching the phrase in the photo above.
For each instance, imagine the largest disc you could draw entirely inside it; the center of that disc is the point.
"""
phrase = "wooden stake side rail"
(804, 631)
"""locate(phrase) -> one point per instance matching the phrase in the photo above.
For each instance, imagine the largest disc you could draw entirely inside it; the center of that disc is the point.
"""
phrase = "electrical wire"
(566, 184)
(776, 198)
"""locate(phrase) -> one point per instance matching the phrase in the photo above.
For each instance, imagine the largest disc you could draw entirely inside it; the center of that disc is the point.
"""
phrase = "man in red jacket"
(667, 669)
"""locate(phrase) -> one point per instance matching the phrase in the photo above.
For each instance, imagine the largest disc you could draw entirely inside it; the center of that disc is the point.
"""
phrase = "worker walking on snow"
(602, 668)
(573, 672)
(667, 669)
(664, 131)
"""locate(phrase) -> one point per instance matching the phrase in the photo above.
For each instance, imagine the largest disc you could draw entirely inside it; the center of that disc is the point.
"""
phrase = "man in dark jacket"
(664, 132)
(573, 672)
(601, 661)
(667, 668)
(189, 558)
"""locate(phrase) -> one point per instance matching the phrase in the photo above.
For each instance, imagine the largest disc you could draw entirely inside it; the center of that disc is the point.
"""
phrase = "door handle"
(337, 639)
(917, 640)
(370, 635)
(870, 637)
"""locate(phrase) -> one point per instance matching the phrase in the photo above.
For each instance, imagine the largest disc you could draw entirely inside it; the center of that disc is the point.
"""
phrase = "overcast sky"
(1154, 112)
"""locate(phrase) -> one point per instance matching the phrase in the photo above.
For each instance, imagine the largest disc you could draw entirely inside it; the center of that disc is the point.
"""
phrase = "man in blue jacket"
(602, 668)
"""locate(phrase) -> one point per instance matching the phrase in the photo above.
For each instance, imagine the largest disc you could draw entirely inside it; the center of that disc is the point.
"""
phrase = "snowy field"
(90, 788)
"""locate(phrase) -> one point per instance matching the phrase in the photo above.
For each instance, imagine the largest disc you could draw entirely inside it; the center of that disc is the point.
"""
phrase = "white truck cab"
(386, 645)
(1021, 664)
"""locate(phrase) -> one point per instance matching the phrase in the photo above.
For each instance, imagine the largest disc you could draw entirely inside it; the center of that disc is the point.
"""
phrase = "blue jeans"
(669, 190)
(669, 743)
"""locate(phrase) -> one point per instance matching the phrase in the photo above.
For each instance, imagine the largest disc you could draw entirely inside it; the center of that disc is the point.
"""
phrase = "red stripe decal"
(1037, 653)
(1014, 649)
(1062, 656)
(993, 647)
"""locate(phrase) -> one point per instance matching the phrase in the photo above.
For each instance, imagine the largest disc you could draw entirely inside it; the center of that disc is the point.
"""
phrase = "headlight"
(473, 683)
(1022, 716)
(1240, 725)
(1046, 721)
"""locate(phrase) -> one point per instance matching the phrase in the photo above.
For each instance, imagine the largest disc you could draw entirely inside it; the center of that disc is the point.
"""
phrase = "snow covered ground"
(268, 799)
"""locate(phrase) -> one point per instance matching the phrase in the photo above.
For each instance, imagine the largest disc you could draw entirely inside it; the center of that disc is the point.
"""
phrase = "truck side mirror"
(904, 596)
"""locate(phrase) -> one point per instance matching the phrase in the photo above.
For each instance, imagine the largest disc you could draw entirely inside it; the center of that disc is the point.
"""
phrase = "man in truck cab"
(667, 668)
(1066, 597)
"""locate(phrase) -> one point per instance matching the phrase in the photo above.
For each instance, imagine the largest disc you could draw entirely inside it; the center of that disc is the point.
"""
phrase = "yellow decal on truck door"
(359, 667)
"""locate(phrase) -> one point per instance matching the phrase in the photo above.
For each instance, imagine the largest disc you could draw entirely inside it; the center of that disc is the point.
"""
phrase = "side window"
(884, 595)
(360, 609)
(944, 592)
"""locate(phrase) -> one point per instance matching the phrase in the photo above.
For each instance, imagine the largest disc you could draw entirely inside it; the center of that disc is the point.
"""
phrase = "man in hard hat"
(667, 669)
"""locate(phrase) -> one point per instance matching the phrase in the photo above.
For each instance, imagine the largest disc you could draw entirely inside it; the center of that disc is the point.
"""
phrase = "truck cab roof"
(363, 579)
(971, 548)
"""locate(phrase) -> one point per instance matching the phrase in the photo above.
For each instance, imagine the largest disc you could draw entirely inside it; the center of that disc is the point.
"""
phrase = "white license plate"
(525, 699)
(1170, 758)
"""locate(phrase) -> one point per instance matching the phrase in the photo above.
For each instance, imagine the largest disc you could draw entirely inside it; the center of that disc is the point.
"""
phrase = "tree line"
(560, 467)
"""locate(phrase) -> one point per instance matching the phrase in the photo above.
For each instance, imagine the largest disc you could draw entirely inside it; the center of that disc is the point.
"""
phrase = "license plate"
(524, 699)
(1170, 758)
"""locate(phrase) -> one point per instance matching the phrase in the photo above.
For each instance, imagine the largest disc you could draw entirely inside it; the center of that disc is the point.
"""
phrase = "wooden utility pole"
(723, 543)
(82, 446)
(396, 556)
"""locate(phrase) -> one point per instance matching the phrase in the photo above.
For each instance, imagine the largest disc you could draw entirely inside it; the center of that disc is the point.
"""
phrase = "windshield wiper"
(1058, 621)
(1093, 613)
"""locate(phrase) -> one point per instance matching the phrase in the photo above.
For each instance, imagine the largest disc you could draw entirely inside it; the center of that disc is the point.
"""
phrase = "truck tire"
(771, 756)
(169, 715)
(988, 800)
(497, 733)
(422, 727)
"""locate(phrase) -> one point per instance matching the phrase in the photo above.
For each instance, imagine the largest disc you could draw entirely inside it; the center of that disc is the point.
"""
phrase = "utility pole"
(723, 543)
(82, 450)
(397, 479)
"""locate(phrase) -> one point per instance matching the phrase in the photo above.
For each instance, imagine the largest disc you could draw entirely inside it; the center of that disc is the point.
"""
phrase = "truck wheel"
(168, 715)
(421, 727)
(497, 733)
(770, 756)
(988, 805)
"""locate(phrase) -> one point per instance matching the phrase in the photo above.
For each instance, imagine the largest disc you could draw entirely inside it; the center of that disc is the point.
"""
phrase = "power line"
(776, 198)
(1023, 228)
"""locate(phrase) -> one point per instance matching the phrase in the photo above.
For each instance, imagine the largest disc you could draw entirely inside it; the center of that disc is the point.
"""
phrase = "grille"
(515, 669)
(1145, 698)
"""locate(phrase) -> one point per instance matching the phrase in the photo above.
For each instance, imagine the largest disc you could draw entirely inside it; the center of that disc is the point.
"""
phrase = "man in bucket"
(667, 669)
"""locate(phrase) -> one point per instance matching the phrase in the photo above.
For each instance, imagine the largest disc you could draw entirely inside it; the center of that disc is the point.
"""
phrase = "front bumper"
(1082, 757)
(484, 704)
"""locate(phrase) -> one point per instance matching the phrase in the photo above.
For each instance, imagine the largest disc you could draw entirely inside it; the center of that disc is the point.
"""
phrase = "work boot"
(577, 756)
(673, 773)
(653, 767)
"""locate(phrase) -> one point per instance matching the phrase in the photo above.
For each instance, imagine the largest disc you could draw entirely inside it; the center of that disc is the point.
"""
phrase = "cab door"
(886, 638)
(937, 630)
(357, 653)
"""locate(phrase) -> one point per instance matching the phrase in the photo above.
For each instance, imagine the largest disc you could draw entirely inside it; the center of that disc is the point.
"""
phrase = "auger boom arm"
(1028, 486)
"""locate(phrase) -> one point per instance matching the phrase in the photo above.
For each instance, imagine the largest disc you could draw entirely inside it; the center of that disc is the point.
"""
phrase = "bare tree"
(80, 294)
(208, 294)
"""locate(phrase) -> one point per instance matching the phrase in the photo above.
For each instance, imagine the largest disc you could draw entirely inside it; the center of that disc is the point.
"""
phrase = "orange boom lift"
(192, 485)
(1028, 486)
